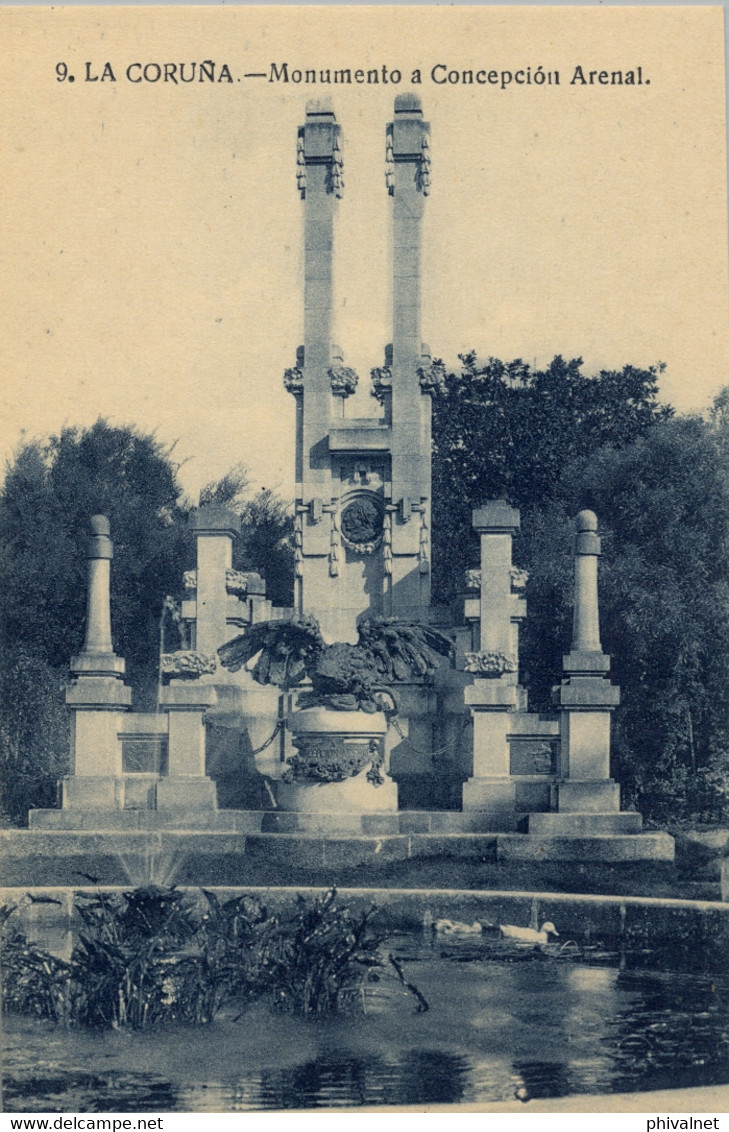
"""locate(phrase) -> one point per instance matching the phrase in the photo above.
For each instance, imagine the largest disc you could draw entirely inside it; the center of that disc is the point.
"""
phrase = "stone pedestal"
(329, 742)
(186, 786)
(92, 792)
(96, 782)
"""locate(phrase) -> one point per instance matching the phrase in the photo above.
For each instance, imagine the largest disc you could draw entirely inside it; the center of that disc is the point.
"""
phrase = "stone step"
(586, 847)
(136, 857)
(192, 819)
(268, 821)
(584, 824)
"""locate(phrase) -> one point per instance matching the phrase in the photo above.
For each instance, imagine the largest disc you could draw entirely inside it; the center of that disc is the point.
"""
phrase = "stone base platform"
(549, 826)
(137, 857)
(266, 821)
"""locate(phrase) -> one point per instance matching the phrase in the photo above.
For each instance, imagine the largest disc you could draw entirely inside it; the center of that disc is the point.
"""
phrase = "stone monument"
(464, 755)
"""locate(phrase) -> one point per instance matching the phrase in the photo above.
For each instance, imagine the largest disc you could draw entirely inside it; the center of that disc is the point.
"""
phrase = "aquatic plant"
(34, 981)
(141, 959)
(156, 955)
(318, 959)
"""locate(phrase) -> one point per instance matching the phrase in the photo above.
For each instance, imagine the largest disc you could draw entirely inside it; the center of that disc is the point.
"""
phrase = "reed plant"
(155, 956)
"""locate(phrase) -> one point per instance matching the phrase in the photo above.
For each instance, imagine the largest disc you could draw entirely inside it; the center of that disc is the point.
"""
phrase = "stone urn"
(339, 765)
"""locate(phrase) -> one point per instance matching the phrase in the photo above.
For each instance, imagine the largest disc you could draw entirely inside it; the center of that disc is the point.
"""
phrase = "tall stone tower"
(362, 484)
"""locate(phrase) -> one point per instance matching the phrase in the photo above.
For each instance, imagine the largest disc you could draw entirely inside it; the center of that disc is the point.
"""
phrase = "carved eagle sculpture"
(344, 677)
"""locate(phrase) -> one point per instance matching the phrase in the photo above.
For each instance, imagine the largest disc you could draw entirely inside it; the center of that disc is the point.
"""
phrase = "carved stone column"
(98, 695)
(588, 799)
(494, 695)
(215, 529)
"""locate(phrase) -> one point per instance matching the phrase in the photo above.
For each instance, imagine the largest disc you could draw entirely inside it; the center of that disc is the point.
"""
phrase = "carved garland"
(389, 161)
(236, 581)
(387, 540)
(332, 760)
(335, 540)
(300, 164)
(293, 380)
(491, 664)
(344, 380)
(424, 547)
(186, 665)
(381, 382)
(424, 167)
(517, 576)
(298, 546)
(336, 172)
(432, 377)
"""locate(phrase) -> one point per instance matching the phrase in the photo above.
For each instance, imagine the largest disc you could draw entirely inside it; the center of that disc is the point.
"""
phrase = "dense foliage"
(34, 731)
(50, 491)
(554, 442)
(506, 430)
(49, 494)
(154, 956)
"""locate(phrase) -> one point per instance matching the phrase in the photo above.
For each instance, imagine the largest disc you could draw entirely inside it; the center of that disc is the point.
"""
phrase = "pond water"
(503, 1022)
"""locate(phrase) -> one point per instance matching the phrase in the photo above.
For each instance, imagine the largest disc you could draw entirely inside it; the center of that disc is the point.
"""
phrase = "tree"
(49, 494)
(34, 729)
(663, 503)
(508, 430)
(554, 442)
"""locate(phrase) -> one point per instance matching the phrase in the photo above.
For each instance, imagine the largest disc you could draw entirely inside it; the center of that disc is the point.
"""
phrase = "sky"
(151, 245)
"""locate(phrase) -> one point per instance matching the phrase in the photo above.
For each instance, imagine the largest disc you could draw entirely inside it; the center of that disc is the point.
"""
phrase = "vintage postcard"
(364, 736)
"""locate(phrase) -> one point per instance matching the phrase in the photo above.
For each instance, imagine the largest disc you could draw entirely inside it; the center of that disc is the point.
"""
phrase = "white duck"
(529, 935)
(455, 928)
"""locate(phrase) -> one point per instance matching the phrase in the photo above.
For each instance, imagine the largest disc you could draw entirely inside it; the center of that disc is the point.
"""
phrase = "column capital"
(586, 539)
(496, 517)
(100, 544)
(409, 131)
(214, 519)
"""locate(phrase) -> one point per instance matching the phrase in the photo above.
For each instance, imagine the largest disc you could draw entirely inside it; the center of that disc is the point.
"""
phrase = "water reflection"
(542, 1079)
(71, 1092)
(418, 1076)
(672, 1032)
(501, 1025)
